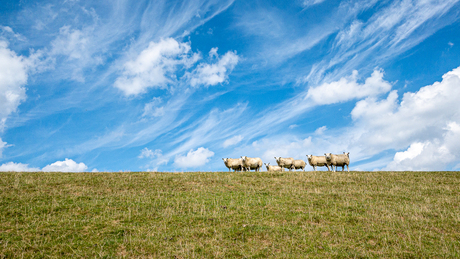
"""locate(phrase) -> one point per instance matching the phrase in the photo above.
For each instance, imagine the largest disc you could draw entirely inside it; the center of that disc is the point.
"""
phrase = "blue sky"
(179, 85)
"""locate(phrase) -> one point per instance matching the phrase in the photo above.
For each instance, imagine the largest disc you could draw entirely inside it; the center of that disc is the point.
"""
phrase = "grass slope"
(226, 215)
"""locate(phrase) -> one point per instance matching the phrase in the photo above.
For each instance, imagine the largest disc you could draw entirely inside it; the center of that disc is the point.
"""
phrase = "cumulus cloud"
(232, 141)
(348, 88)
(17, 167)
(155, 66)
(424, 124)
(68, 165)
(212, 74)
(320, 130)
(13, 77)
(195, 158)
(147, 153)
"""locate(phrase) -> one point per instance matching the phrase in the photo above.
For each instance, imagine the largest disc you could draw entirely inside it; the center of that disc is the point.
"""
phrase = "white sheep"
(273, 168)
(285, 162)
(233, 163)
(299, 164)
(250, 163)
(338, 160)
(317, 161)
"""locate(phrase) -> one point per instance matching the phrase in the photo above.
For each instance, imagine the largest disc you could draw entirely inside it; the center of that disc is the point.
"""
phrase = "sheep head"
(328, 156)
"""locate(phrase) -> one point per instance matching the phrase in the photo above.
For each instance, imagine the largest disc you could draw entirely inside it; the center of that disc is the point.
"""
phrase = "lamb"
(250, 163)
(317, 161)
(233, 163)
(338, 160)
(273, 168)
(299, 164)
(285, 162)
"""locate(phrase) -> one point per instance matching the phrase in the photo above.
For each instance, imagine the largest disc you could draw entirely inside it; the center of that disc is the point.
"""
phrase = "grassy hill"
(226, 215)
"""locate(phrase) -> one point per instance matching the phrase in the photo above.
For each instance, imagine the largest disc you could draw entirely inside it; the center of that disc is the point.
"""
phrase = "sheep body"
(316, 161)
(233, 163)
(285, 162)
(338, 160)
(273, 168)
(250, 163)
(299, 164)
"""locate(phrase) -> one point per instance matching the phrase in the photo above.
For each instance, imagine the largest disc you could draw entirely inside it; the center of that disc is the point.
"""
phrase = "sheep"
(233, 163)
(285, 162)
(317, 161)
(338, 160)
(273, 168)
(250, 163)
(299, 164)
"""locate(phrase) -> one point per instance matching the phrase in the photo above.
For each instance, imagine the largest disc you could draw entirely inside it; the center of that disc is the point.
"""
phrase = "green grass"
(230, 215)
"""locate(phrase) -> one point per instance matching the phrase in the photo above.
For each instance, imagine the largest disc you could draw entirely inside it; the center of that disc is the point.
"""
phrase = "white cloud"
(13, 77)
(74, 50)
(293, 126)
(2, 146)
(60, 166)
(307, 3)
(212, 74)
(390, 31)
(17, 167)
(347, 88)
(433, 154)
(153, 109)
(213, 53)
(424, 124)
(232, 141)
(195, 158)
(65, 166)
(421, 115)
(71, 43)
(147, 153)
(320, 130)
(155, 66)
(6, 30)
(414, 150)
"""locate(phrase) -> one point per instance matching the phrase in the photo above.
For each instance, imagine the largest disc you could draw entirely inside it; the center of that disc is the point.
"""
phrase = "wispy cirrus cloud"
(386, 34)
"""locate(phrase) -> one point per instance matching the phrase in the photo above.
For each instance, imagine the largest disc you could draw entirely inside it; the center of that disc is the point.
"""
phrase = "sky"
(96, 86)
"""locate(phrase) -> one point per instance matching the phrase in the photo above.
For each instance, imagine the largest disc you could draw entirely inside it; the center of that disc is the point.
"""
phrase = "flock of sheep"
(249, 163)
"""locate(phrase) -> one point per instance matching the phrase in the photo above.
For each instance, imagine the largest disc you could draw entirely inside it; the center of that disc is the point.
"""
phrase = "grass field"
(230, 215)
